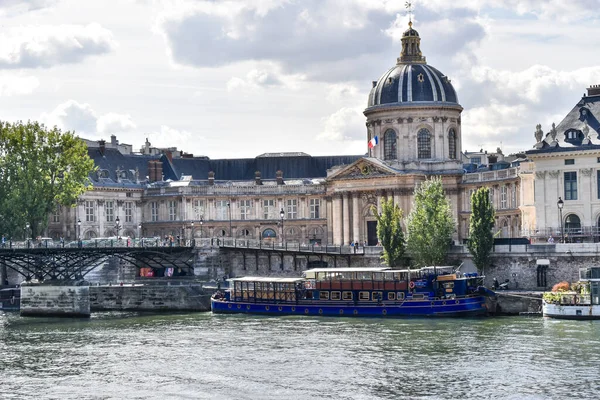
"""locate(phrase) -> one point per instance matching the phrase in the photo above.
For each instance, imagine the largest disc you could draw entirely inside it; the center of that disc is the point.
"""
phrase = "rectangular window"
(476, 160)
(336, 295)
(400, 295)
(570, 185)
(292, 209)
(268, 209)
(245, 209)
(89, 211)
(109, 210)
(323, 295)
(172, 210)
(154, 211)
(128, 211)
(377, 296)
(347, 295)
(56, 214)
(363, 295)
(391, 296)
(221, 206)
(315, 205)
(128, 194)
(569, 161)
(198, 209)
(503, 197)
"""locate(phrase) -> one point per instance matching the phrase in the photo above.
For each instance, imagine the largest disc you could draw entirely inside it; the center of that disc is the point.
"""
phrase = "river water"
(205, 356)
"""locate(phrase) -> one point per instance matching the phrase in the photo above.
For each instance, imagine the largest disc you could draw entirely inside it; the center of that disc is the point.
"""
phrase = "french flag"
(374, 142)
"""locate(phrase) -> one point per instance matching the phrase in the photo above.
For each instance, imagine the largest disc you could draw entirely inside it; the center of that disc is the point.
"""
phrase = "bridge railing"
(287, 246)
(97, 243)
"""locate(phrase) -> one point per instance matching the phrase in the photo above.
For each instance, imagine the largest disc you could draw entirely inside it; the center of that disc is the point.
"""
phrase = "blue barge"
(358, 292)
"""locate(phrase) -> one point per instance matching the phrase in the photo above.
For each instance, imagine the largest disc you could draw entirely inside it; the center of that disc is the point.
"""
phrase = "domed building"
(413, 115)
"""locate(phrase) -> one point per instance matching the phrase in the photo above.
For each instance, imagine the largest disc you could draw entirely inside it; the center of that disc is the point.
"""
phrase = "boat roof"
(376, 269)
(265, 279)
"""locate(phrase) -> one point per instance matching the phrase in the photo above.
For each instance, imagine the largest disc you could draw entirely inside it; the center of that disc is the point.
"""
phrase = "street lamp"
(201, 223)
(192, 230)
(27, 233)
(282, 214)
(560, 205)
(230, 230)
(118, 226)
(140, 233)
(78, 229)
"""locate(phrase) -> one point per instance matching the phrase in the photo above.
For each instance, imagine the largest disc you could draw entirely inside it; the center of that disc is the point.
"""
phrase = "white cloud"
(344, 125)
(343, 93)
(82, 119)
(270, 76)
(115, 123)
(13, 7)
(172, 137)
(12, 85)
(44, 46)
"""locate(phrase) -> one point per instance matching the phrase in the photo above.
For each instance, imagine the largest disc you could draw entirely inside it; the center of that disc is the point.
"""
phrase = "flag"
(373, 142)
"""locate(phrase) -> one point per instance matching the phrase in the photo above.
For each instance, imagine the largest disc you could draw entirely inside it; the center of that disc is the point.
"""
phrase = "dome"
(411, 80)
(412, 83)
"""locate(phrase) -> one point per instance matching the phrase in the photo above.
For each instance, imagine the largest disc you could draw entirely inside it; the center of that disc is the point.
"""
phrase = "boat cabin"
(591, 277)
(263, 289)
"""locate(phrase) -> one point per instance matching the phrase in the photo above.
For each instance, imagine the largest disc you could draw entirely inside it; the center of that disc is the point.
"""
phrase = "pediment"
(363, 168)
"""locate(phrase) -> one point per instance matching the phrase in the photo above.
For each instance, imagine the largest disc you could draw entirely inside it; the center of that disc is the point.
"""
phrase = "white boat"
(584, 304)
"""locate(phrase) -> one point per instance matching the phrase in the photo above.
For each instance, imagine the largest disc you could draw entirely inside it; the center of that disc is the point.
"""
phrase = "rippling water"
(205, 356)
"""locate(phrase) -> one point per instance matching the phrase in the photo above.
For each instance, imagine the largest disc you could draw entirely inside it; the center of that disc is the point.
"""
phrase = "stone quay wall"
(158, 298)
(55, 301)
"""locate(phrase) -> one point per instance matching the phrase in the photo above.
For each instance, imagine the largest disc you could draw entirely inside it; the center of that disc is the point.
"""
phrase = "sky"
(233, 78)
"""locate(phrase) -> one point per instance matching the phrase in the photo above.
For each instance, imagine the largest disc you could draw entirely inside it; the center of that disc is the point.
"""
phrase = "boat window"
(336, 295)
(418, 296)
(391, 296)
(400, 295)
(323, 295)
(363, 295)
(347, 295)
(378, 276)
(377, 296)
(449, 285)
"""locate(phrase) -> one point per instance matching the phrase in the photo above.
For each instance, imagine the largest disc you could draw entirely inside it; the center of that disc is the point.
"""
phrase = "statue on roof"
(586, 130)
(553, 132)
(539, 134)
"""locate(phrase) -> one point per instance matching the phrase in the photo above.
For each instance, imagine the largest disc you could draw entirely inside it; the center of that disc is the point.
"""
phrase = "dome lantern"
(411, 47)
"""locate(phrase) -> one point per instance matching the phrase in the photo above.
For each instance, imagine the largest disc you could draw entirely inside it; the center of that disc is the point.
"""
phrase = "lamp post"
(201, 223)
(140, 232)
(27, 234)
(192, 230)
(230, 230)
(78, 229)
(560, 205)
(282, 214)
(118, 226)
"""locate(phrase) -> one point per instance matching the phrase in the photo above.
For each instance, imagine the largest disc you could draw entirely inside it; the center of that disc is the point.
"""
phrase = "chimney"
(257, 180)
(594, 90)
(102, 146)
(113, 140)
(151, 171)
(169, 155)
(159, 170)
(211, 178)
(279, 176)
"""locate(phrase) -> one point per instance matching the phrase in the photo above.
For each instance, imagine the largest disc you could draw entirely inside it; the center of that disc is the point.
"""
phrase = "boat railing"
(567, 298)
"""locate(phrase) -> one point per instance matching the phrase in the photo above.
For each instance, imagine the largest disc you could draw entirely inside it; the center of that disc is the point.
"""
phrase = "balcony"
(490, 176)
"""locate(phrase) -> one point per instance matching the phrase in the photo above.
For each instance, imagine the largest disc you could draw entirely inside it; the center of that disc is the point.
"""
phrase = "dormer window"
(574, 136)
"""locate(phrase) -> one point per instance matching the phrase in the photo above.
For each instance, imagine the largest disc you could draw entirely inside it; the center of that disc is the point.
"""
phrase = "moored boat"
(362, 292)
(581, 304)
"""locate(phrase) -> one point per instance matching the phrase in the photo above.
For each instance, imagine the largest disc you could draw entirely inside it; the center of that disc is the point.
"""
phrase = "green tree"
(481, 237)
(40, 169)
(390, 234)
(430, 225)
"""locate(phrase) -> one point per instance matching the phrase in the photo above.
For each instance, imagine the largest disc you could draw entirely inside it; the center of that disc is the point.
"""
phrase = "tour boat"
(574, 305)
(358, 292)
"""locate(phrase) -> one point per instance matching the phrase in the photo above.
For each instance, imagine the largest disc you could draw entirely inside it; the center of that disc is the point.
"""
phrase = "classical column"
(355, 218)
(396, 195)
(346, 211)
(378, 194)
(337, 219)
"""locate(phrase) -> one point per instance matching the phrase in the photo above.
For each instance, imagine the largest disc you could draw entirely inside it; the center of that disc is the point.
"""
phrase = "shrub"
(561, 287)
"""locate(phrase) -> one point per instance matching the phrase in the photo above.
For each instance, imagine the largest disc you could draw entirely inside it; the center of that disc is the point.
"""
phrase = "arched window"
(424, 144)
(572, 225)
(389, 145)
(269, 233)
(452, 144)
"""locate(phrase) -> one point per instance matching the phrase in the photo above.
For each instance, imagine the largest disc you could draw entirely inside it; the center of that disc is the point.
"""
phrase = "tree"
(430, 225)
(481, 237)
(390, 234)
(40, 170)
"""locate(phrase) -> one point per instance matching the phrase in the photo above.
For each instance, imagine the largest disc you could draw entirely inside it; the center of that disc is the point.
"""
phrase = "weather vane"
(409, 7)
